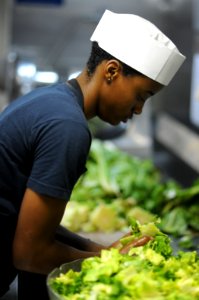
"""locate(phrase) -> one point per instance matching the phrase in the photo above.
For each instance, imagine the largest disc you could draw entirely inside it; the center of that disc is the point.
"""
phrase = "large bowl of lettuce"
(147, 272)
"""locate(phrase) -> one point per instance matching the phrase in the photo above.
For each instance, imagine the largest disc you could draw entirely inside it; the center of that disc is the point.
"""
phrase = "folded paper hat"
(139, 44)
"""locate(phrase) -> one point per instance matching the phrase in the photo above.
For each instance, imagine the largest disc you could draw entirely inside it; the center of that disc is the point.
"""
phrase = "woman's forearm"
(72, 239)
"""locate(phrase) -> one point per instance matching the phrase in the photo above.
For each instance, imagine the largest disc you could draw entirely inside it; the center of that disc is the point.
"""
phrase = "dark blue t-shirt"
(44, 143)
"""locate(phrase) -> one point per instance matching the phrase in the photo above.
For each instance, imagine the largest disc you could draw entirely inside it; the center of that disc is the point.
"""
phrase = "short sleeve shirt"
(44, 143)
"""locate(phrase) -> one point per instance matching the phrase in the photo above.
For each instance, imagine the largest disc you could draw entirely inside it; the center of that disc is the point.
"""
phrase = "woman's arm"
(66, 236)
(36, 247)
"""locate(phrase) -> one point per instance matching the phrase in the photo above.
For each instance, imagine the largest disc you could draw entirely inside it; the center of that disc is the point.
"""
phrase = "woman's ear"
(113, 69)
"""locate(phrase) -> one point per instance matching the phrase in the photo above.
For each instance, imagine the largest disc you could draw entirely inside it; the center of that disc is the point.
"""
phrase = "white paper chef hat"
(140, 44)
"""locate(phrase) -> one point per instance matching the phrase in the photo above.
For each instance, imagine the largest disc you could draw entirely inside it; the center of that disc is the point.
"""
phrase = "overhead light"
(47, 77)
(26, 70)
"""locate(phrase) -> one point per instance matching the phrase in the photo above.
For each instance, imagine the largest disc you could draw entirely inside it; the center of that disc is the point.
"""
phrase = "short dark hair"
(97, 55)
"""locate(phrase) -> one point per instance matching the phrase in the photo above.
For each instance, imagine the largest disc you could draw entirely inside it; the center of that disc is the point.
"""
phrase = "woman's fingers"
(135, 243)
(118, 244)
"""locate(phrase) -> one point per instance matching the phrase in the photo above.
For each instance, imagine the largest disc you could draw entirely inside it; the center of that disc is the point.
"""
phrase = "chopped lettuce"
(145, 273)
(145, 276)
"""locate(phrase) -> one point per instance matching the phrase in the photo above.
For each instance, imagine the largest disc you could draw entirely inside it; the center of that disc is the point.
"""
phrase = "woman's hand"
(117, 244)
(94, 247)
(136, 242)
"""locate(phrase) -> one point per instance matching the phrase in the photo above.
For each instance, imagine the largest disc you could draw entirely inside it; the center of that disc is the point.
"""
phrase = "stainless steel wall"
(176, 137)
(177, 24)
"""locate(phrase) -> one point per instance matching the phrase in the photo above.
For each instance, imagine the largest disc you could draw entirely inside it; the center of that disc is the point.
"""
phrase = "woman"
(45, 140)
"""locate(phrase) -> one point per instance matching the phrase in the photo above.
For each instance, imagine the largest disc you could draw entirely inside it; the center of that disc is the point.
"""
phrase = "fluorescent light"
(26, 70)
(46, 77)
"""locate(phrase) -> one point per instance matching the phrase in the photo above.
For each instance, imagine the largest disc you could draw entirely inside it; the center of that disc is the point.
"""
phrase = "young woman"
(45, 140)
